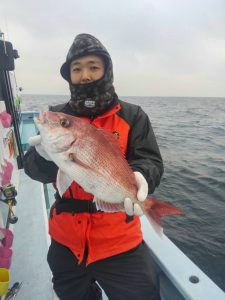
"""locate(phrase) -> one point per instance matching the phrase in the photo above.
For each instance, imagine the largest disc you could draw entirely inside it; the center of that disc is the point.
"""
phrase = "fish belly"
(102, 187)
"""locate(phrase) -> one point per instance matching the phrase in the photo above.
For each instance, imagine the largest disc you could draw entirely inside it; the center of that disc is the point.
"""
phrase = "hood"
(93, 98)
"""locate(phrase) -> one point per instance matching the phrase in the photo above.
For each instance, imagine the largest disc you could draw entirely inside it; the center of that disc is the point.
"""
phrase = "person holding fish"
(102, 157)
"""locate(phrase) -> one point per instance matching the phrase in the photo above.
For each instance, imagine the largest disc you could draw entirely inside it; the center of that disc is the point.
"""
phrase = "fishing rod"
(7, 57)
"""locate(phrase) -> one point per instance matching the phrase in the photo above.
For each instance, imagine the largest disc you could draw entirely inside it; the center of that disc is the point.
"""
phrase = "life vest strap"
(63, 204)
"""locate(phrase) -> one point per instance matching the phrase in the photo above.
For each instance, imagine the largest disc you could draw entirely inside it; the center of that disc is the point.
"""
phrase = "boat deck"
(30, 243)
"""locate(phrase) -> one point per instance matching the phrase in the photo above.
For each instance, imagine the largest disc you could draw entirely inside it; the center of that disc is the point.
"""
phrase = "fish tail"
(156, 209)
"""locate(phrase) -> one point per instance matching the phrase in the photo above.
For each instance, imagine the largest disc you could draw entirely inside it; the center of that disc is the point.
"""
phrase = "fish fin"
(62, 182)
(108, 207)
(156, 209)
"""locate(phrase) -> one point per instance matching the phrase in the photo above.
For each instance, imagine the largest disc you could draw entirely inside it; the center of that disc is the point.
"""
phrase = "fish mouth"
(45, 118)
(36, 121)
(41, 119)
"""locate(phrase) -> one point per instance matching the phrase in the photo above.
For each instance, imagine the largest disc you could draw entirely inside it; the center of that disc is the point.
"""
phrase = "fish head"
(57, 130)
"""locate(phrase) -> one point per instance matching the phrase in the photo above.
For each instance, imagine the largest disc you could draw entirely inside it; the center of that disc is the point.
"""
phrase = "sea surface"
(191, 136)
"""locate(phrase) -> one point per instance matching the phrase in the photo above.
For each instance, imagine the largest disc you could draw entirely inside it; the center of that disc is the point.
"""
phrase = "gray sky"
(158, 47)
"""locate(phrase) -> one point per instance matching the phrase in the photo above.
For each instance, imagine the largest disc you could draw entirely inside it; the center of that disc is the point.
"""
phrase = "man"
(90, 245)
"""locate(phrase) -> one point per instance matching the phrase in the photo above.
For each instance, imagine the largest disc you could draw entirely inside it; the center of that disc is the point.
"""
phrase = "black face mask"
(95, 98)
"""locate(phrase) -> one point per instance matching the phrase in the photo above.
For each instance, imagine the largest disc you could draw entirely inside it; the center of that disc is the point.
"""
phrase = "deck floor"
(30, 244)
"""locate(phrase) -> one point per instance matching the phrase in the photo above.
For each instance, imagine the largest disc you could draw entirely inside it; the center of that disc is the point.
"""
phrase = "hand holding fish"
(142, 193)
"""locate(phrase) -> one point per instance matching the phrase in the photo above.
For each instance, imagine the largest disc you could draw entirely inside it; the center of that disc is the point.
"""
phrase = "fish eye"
(64, 123)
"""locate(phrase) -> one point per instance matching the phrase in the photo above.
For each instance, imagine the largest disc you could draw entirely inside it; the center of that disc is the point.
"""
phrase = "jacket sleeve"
(38, 168)
(143, 153)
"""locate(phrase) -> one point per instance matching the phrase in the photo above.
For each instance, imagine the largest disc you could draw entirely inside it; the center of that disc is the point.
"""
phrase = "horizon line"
(157, 96)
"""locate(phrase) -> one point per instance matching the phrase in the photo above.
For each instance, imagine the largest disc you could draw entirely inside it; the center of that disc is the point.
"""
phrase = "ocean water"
(191, 136)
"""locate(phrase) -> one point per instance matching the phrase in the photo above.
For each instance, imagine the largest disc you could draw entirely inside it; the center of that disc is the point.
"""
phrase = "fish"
(92, 157)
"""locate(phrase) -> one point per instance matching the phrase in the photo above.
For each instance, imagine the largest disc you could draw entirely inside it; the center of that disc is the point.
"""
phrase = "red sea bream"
(92, 157)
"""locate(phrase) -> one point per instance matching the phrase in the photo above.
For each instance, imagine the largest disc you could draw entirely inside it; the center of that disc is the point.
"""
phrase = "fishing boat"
(25, 213)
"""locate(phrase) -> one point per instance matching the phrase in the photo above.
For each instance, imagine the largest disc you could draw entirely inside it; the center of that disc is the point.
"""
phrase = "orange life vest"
(103, 234)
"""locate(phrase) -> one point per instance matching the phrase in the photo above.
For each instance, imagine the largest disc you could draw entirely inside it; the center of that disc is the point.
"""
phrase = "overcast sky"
(158, 47)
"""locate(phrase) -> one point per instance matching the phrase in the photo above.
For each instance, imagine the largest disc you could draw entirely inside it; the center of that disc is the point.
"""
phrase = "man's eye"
(94, 68)
(76, 70)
